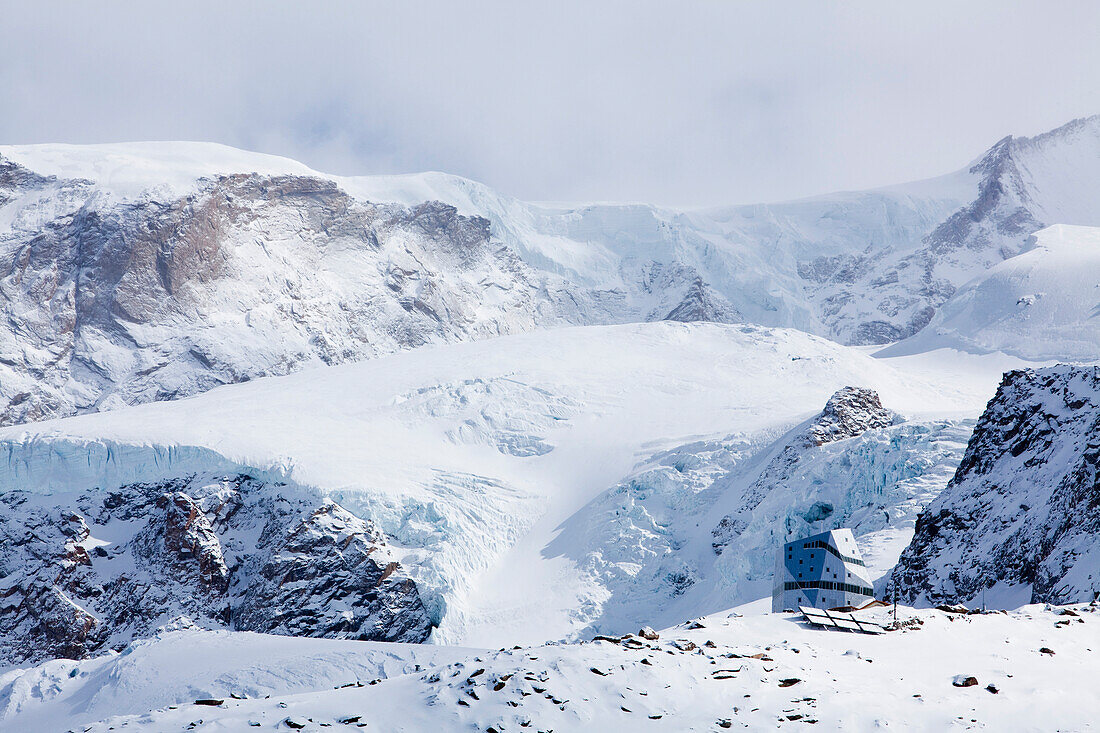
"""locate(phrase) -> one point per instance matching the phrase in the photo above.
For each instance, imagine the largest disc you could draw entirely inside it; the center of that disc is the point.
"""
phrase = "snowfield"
(1040, 305)
(744, 669)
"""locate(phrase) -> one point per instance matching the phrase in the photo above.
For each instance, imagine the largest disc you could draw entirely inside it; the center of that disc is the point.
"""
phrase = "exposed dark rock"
(700, 303)
(1023, 508)
(331, 576)
(849, 412)
(220, 552)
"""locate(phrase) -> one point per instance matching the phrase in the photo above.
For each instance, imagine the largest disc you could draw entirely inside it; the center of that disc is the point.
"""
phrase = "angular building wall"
(822, 571)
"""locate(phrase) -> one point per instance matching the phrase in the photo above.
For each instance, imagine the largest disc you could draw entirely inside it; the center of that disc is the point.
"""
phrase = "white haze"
(675, 103)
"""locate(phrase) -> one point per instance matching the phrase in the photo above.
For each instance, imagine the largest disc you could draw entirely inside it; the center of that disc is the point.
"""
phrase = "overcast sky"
(678, 103)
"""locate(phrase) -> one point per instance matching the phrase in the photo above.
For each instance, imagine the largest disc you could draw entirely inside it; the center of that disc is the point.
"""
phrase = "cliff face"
(110, 301)
(94, 571)
(1020, 520)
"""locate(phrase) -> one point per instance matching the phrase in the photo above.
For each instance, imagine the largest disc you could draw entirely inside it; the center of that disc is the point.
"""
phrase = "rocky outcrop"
(1020, 520)
(701, 303)
(850, 412)
(333, 560)
(181, 544)
(96, 571)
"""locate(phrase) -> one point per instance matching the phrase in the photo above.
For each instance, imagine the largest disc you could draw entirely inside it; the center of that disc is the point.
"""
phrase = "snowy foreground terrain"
(1033, 669)
(262, 427)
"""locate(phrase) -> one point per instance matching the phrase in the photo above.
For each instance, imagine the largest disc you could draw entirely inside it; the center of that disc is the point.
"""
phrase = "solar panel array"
(839, 620)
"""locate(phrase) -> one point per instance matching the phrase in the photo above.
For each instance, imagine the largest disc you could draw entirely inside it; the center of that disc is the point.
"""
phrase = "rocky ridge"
(1020, 520)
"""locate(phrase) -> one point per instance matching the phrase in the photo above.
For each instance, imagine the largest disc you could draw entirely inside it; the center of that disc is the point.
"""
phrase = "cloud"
(678, 103)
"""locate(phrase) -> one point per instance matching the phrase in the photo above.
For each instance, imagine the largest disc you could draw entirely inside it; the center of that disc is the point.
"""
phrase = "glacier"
(471, 458)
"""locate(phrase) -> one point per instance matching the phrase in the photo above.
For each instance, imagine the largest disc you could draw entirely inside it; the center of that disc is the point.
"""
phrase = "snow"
(130, 170)
(1059, 169)
(1040, 305)
(750, 668)
(553, 484)
(179, 666)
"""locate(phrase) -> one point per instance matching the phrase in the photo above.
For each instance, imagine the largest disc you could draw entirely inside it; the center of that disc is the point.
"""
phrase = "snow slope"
(1041, 305)
(696, 527)
(471, 457)
(181, 666)
(739, 670)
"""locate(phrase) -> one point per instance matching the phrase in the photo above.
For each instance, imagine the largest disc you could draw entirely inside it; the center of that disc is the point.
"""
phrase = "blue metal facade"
(822, 571)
